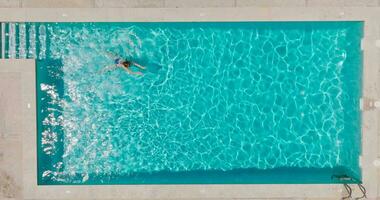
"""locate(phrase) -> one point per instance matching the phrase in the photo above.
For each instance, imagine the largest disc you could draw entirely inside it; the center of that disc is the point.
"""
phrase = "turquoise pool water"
(219, 102)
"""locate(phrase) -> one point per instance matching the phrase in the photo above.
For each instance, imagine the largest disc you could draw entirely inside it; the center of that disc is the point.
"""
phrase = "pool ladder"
(348, 187)
(23, 41)
(349, 191)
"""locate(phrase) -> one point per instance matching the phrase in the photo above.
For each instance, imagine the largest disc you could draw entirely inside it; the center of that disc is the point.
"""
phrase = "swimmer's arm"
(138, 65)
(132, 72)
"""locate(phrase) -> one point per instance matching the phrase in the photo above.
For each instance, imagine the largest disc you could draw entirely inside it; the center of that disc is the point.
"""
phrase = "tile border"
(186, 14)
(184, 3)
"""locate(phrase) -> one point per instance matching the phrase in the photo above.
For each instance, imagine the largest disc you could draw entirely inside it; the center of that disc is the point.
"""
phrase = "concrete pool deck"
(18, 115)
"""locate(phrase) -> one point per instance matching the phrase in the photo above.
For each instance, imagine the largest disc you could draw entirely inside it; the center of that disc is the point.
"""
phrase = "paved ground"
(10, 135)
(17, 114)
(180, 3)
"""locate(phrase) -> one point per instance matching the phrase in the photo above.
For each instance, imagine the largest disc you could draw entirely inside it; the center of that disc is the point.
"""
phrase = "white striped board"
(22, 41)
(32, 42)
(12, 40)
(42, 41)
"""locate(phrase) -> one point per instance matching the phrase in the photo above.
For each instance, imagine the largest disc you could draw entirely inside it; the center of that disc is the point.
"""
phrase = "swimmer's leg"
(132, 72)
(138, 65)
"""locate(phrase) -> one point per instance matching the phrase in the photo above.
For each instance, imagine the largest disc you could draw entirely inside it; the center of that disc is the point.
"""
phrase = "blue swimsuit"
(117, 61)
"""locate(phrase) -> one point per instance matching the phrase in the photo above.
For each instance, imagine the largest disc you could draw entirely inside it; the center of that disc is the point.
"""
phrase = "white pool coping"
(370, 130)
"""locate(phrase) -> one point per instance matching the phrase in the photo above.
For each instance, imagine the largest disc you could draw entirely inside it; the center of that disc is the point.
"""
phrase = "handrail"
(349, 191)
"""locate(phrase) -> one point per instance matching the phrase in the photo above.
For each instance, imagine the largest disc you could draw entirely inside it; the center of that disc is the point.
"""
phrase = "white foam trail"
(42, 39)
(12, 40)
(22, 39)
(32, 42)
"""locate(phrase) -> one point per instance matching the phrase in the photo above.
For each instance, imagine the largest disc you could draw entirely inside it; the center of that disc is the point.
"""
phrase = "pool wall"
(45, 72)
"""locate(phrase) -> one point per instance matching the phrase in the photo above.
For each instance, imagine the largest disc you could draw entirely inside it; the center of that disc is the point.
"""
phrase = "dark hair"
(127, 63)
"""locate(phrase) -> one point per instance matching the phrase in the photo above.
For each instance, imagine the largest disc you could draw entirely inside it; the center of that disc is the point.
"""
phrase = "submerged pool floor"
(214, 97)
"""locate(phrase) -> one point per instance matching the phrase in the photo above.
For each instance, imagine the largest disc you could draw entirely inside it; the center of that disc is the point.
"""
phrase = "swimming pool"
(250, 102)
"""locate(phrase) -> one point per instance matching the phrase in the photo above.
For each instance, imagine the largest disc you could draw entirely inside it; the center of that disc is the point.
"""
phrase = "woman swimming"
(125, 64)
